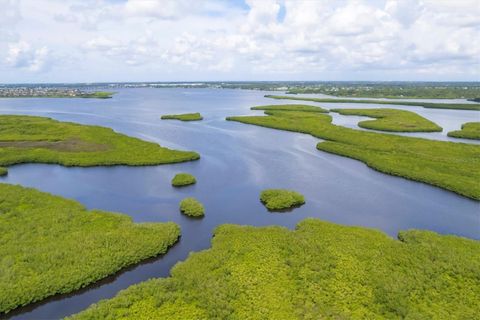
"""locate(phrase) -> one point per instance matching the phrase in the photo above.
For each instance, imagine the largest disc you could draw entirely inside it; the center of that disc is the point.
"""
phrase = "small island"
(182, 179)
(469, 130)
(183, 117)
(192, 207)
(281, 199)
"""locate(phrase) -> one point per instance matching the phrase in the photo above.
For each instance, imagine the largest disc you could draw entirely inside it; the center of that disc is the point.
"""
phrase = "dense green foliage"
(3, 171)
(183, 179)
(393, 91)
(291, 107)
(470, 130)
(52, 245)
(25, 139)
(192, 207)
(319, 271)
(280, 199)
(448, 165)
(183, 117)
(459, 106)
(392, 120)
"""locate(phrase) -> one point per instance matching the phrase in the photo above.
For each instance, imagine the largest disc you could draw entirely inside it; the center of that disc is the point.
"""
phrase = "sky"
(239, 40)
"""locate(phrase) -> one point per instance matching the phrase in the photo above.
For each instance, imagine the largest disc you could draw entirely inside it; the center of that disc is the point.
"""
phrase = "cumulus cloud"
(256, 39)
(22, 55)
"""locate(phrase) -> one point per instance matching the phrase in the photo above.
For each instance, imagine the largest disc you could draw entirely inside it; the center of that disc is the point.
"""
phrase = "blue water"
(237, 162)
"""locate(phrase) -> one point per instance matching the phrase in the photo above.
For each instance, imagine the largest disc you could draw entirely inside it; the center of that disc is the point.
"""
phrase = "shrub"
(280, 199)
(192, 207)
(183, 179)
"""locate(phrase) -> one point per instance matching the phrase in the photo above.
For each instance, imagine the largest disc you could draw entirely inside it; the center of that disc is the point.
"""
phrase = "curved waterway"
(237, 162)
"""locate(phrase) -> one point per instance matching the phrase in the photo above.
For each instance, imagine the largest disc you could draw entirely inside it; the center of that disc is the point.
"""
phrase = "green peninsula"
(320, 270)
(52, 245)
(291, 107)
(458, 106)
(393, 120)
(448, 165)
(29, 139)
(469, 130)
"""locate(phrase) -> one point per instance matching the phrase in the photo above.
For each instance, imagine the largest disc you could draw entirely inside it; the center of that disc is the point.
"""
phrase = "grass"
(393, 120)
(183, 117)
(192, 207)
(291, 107)
(458, 106)
(318, 271)
(3, 171)
(183, 179)
(28, 139)
(52, 245)
(281, 199)
(448, 165)
(470, 130)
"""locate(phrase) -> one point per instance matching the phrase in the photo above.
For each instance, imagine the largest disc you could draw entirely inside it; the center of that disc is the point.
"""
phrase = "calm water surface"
(238, 161)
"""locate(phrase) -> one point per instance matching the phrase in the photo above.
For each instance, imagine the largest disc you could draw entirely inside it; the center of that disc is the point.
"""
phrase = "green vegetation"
(392, 120)
(183, 179)
(291, 107)
(280, 199)
(25, 139)
(392, 91)
(318, 271)
(3, 171)
(448, 165)
(53, 245)
(192, 207)
(470, 130)
(183, 117)
(459, 106)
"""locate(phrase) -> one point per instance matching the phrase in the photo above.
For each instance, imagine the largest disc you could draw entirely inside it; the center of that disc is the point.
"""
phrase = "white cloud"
(22, 55)
(197, 40)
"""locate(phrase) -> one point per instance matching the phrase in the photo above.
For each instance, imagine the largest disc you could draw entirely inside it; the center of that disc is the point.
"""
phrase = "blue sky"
(183, 40)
